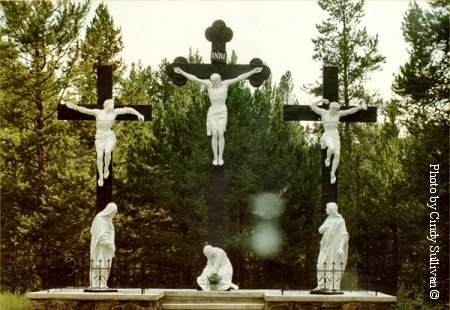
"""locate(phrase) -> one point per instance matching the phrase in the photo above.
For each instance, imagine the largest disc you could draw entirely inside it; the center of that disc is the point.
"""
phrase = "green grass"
(10, 301)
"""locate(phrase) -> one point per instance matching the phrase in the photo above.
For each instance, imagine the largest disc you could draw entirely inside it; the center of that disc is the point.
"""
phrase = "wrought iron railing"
(56, 271)
(146, 275)
(329, 276)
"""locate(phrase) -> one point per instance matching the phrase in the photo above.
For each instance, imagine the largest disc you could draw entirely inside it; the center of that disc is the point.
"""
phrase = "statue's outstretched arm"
(243, 76)
(82, 109)
(352, 110)
(129, 110)
(191, 77)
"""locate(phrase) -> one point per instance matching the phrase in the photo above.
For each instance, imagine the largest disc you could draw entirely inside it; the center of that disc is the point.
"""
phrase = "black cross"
(218, 34)
(304, 113)
(104, 91)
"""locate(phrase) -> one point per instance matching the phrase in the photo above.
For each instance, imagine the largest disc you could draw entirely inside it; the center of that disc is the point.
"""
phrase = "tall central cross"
(104, 91)
(218, 34)
(304, 113)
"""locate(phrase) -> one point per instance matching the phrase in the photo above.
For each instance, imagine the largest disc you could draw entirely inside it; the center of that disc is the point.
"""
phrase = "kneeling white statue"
(333, 250)
(218, 273)
(102, 246)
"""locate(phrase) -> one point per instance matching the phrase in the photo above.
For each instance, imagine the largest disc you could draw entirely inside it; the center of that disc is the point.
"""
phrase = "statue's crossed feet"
(100, 181)
(106, 173)
(333, 179)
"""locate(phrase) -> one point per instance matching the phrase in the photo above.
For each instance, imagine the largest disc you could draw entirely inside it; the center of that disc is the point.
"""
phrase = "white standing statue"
(216, 121)
(105, 139)
(330, 139)
(218, 273)
(102, 246)
(333, 250)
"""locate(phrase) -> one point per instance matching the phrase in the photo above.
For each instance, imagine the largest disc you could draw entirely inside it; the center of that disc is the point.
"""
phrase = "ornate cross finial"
(218, 34)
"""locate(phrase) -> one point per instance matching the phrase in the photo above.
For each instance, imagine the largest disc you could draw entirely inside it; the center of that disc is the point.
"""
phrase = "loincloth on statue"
(216, 120)
(105, 140)
(330, 139)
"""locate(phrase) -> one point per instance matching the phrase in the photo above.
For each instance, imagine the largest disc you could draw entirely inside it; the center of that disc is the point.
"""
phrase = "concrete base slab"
(179, 299)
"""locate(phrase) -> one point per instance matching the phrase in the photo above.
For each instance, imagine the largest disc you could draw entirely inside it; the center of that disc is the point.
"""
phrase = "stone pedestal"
(303, 300)
(76, 299)
(94, 305)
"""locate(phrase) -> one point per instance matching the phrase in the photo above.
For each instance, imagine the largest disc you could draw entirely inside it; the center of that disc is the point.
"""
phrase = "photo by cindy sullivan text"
(433, 234)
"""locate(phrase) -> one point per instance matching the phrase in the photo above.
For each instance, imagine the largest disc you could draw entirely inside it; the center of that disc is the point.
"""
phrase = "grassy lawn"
(10, 301)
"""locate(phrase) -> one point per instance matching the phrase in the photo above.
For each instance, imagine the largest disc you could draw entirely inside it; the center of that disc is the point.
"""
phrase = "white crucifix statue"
(105, 138)
(330, 139)
(216, 120)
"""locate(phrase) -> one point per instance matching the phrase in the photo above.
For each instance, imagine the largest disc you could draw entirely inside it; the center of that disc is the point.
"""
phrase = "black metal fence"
(121, 274)
(59, 271)
(73, 273)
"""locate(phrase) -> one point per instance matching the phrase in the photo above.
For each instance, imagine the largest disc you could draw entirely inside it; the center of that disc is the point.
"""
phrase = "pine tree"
(423, 83)
(382, 220)
(345, 43)
(102, 45)
(38, 57)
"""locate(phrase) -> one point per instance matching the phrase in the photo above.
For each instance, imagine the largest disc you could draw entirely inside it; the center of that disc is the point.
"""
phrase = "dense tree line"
(161, 167)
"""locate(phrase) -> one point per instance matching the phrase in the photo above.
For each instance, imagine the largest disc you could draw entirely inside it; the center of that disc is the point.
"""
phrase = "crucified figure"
(105, 139)
(216, 120)
(330, 139)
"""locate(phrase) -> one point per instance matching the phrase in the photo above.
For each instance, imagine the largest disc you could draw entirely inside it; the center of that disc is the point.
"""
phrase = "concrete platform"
(354, 296)
(78, 294)
(178, 299)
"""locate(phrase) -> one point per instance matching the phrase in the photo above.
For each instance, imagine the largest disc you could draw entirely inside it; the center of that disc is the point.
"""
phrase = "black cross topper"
(218, 34)
(104, 91)
(304, 113)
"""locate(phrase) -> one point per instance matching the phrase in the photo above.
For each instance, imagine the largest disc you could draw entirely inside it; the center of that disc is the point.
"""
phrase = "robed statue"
(102, 246)
(333, 253)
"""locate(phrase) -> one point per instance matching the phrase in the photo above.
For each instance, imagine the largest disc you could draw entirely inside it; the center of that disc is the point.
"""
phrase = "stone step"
(213, 306)
(215, 297)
